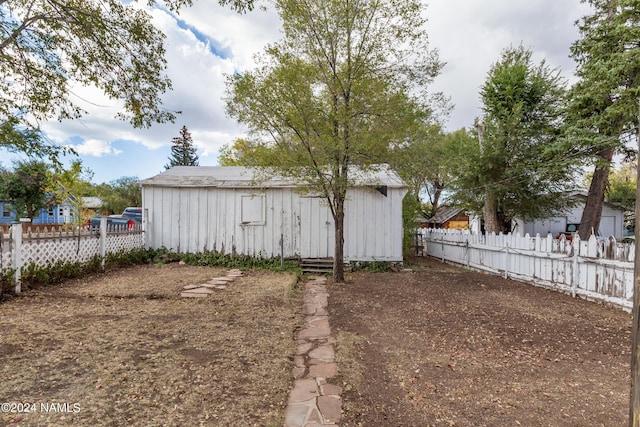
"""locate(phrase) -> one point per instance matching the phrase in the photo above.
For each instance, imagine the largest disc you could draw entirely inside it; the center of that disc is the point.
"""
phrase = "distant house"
(611, 223)
(191, 209)
(91, 206)
(59, 213)
(449, 217)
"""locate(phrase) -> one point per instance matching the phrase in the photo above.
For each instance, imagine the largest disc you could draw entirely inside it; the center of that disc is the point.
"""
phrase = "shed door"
(316, 228)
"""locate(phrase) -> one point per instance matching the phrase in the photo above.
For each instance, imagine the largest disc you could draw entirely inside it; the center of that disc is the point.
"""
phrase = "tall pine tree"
(604, 104)
(183, 152)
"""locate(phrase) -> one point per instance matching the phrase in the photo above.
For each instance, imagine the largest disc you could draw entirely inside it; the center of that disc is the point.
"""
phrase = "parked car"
(569, 231)
(130, 218)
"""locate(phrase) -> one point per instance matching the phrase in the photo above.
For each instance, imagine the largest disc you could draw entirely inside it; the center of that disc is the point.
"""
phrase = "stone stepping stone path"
(313, 401)
(216, 284)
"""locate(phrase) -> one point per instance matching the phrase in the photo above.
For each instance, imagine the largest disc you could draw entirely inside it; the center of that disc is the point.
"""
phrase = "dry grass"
(130, 351)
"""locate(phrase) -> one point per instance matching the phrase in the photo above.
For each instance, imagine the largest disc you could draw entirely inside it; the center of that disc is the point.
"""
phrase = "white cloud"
(470, 35)
(96, 148)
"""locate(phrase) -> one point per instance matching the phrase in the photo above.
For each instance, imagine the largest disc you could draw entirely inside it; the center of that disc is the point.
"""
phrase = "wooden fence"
(600, 270)
(43, 247)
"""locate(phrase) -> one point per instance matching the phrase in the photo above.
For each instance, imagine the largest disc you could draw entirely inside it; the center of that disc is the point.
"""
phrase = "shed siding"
(373, 225)
(197, 219)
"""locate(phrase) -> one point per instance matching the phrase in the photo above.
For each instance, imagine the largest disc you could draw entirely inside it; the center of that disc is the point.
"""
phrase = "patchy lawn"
(443, 346)
(123, 348)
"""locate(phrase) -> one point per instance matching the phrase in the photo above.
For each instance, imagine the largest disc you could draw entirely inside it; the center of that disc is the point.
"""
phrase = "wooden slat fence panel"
(595, 269)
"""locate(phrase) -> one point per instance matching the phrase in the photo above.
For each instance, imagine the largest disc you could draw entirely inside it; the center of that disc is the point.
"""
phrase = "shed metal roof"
(244, 177)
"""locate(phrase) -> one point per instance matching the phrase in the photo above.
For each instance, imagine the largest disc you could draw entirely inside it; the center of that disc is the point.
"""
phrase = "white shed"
(194, 209)
(611, 222)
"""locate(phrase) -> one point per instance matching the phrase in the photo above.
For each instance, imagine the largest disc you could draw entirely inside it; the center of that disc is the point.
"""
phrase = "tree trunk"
(595, 198)
(338, 257)
(490, 213)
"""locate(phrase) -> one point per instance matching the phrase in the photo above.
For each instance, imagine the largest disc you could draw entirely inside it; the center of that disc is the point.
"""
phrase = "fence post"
(506, 259)
(467, 252)
(16, 256)
(103, 241)
(575, 247)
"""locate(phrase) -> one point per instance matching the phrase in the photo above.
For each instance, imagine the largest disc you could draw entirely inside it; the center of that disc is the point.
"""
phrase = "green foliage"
(60, 271)
(345, 84)
(47, 48)
(372, 266)
(518, 166)
(6, 278)
(183, 152)
(248, 153)
(119, 194)
(70, 185)
(411, 209)
(622, 186)
(129, 258)
(604, 103)
(56, 273)
(216, 259)
(424, 162)
(17, 138)
(26, 187)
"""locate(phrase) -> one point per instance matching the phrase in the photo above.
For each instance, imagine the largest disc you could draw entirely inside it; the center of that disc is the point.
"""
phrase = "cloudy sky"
(206, 42)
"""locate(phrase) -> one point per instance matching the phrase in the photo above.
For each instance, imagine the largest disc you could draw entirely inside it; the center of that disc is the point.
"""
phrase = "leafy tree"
(48, 46)
(427, 162)
(411, 209)
(336, 93)
(119, 194)
(26, 187)
(604, 104)
(621, 188)
(183, 152)
(17, 138)
(516, 168)
(247, 153)
(415, 160)
(71, 185)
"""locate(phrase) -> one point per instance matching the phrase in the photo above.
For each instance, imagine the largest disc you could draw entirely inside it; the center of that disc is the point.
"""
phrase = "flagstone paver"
(215, 284)
(312, 401)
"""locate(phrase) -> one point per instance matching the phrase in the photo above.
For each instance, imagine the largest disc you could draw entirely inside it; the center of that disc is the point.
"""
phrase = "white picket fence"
(600, 270)
(46, 247)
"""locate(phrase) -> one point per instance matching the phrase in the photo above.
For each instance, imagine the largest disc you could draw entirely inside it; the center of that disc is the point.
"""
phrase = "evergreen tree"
(604, 103)
(517, 167)
(183, 153)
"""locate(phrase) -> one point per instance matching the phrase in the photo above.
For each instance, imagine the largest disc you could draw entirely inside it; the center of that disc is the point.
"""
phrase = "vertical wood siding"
(193, 220)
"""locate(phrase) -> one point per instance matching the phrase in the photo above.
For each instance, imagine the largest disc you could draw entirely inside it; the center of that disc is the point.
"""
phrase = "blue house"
(56, 214)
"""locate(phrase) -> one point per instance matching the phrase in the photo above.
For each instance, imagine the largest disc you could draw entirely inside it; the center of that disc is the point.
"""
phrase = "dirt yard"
(439, 346)
(123, 349)
(442, 346)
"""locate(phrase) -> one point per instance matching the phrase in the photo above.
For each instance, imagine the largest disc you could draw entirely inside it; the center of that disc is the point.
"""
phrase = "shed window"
(253, 209)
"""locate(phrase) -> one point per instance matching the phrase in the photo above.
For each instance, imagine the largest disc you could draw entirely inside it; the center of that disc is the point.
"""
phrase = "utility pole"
(634, 404)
